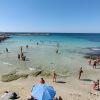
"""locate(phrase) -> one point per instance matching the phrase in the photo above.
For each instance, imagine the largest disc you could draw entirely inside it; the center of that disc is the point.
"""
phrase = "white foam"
(31, 68)
(6, 63)
(95, 49)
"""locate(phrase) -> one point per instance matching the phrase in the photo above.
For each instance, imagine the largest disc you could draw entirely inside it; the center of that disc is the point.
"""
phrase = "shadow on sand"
(86, 80)
(98, 89)
(60, 82)
(98, 68)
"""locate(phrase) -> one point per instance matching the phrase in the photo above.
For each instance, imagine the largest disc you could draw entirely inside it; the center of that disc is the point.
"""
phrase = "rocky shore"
(3, 37)
(93, 53)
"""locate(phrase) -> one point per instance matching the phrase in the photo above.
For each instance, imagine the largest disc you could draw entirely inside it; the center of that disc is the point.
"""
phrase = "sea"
(72, 47)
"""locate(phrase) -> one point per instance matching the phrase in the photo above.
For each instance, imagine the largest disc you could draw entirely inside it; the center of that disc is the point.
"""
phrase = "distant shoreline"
(44, 33)
(2, 37)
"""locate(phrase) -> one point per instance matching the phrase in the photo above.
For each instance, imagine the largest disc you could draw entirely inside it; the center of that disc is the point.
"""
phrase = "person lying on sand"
(9, 95)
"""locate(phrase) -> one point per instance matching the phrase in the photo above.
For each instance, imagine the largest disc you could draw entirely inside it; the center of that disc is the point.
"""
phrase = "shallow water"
(70, 55)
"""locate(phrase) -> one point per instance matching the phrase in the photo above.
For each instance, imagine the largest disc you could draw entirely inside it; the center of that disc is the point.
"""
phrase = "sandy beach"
(71, 89)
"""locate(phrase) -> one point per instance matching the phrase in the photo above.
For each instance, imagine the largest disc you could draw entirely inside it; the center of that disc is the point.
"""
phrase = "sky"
(78, 16)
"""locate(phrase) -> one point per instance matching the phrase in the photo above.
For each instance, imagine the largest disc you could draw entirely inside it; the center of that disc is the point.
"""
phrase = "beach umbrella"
(43, 92)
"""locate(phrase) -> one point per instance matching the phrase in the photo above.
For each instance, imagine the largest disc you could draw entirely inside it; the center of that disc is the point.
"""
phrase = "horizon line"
(54, 32)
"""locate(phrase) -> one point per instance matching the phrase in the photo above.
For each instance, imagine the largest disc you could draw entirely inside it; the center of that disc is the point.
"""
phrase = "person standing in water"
(21, 48)
(57, 51)
(80, 73)
(26, 46)
(18, 56)
(57, 45)
(37, 43)
(6, 49)
(94, 64)
(90, 61)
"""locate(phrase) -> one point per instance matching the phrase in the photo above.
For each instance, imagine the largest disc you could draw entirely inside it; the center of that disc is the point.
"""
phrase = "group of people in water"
(91, 62)
(21, 55)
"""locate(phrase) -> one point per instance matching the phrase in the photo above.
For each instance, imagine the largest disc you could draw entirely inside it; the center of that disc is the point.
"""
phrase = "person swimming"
(37, 43)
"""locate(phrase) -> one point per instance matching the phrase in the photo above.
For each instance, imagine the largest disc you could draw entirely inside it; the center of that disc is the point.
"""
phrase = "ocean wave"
(6, 63)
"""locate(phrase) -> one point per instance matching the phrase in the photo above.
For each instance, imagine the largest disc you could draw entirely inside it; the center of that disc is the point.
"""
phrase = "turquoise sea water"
(72, 48)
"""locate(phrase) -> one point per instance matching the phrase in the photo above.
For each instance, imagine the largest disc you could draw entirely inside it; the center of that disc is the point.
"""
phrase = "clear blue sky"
(50, 15)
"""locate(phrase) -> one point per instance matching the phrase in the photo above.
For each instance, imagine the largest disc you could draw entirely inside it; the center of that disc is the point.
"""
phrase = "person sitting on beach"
(94, 64)
(60, 98)
(42, 81)
(54, 76)
(55, 98)
(80, 72)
